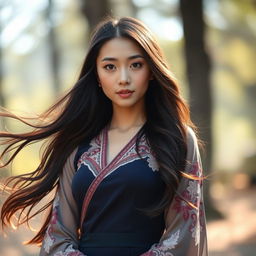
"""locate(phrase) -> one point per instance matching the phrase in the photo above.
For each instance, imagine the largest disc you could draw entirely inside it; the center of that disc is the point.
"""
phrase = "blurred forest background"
(210, 47)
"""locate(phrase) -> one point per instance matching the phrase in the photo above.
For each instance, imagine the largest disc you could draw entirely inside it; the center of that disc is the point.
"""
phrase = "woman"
(122, 157)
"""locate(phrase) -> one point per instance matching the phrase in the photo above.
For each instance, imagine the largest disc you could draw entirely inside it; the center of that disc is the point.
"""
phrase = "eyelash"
(107, 67)
(138, 64)
(135, 65)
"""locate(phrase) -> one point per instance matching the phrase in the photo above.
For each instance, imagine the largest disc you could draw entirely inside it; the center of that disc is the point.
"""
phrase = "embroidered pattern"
(69, 252)
(131, 155)
(172, 241)
(189, 204)
(162, 249)
(93, 159)
(157, 252)
(49, 239)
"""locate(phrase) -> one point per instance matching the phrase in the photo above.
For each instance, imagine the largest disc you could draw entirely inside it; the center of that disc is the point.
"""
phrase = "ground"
(236, 234)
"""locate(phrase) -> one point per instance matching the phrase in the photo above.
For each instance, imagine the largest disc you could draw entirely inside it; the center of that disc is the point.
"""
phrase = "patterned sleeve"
(61, 238)
(185, 233)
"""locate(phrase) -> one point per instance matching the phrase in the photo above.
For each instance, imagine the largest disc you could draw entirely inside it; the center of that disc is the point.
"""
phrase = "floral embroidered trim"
(93, 160)
(156, 252)
(194, 216)
(131, 155)
(162, 249)
(69, 252)
(171, 242)
(49, 239)
(92, 157)
(189, 203)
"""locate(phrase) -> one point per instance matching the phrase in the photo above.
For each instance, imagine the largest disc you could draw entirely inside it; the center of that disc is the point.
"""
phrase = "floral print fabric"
(185, 233)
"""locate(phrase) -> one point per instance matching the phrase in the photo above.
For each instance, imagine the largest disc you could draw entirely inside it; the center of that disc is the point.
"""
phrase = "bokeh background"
(210, 47)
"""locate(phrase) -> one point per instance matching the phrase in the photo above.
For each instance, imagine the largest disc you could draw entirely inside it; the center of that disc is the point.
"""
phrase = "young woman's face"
(123, 72)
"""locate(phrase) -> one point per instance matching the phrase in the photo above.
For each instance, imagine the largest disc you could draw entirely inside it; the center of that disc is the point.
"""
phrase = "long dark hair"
(84, 111)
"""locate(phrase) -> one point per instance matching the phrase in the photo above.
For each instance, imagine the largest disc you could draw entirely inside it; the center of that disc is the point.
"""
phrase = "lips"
(125, 94)
(124, 91)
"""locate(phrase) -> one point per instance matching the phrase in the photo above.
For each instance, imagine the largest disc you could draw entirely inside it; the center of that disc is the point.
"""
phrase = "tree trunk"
(198, 68)
(94, 11)
(53, 48)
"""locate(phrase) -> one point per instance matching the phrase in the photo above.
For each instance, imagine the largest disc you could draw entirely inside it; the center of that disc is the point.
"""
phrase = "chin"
(124, 104)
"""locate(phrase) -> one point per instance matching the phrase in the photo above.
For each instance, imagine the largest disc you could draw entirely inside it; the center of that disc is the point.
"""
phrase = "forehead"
(119, 47)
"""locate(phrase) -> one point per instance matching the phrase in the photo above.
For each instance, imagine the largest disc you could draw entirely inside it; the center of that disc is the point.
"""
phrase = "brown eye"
(136, 65)
(109, 67)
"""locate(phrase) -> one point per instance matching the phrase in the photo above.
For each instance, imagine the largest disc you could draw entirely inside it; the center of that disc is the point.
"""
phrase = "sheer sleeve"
(185, 233)
(61, 237)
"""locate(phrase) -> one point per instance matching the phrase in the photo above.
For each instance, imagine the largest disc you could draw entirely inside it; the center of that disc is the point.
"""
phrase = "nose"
(124, 77)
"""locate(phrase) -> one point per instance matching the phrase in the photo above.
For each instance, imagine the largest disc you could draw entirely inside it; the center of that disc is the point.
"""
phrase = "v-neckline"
(118, 156)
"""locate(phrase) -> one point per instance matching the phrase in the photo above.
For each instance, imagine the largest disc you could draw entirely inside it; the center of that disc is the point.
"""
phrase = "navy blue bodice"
(116, 223)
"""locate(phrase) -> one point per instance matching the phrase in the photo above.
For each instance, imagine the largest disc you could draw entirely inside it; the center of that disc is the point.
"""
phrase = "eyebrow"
(130, 58)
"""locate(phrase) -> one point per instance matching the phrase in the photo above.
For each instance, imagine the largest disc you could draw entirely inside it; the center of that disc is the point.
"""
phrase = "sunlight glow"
(14, 28)
(6, 13)
(213, 15)
(141, 3)
(18, 16)
(171, 2)
(172, 29)
(166, 28)
(24, 44)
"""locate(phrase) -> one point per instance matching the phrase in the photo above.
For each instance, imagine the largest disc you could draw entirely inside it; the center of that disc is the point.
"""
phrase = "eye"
(109, 67)
(136, 65)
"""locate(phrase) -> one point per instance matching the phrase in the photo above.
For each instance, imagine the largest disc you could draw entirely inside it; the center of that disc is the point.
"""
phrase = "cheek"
(105, 79)
(107, 90)
(100, 76)
(143, 79)
(106, 86)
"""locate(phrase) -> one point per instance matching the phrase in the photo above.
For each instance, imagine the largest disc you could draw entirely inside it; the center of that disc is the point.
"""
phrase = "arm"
(185, 233)
(61, 237)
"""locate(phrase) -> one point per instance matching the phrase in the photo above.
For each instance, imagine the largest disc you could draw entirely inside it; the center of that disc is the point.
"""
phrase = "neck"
(124, 118)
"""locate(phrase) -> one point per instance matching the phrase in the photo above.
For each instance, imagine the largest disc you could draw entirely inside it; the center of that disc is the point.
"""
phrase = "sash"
(89, 194)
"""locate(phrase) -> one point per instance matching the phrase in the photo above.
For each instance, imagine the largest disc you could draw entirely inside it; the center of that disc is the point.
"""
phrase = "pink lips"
(125, 93)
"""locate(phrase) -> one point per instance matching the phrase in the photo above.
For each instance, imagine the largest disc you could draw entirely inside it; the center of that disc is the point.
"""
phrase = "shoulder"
(191, 136)
(69, 167)
(66, 176)
(192, 145)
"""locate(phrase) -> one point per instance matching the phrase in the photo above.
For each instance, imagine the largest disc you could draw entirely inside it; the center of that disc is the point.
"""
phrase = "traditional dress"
(115, 223)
